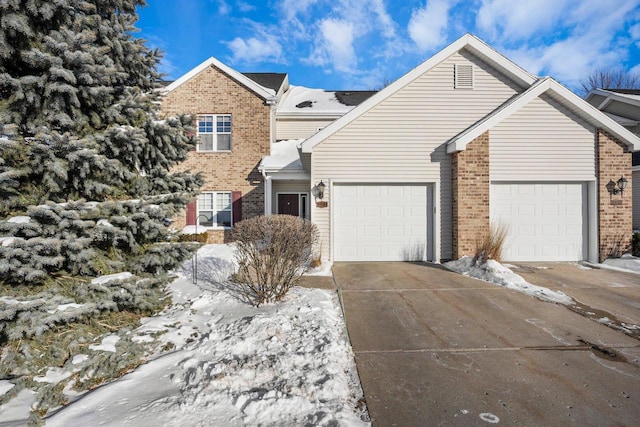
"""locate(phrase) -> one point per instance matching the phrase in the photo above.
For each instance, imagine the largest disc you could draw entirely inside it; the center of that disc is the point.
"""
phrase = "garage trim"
(432, 250)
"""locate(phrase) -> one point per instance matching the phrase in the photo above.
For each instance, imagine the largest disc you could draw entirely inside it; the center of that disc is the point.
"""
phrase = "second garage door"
(547, 221)
(380, 222)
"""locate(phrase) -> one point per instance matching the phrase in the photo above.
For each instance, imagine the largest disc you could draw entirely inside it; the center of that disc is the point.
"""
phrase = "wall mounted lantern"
(617, 187)
(320, 189)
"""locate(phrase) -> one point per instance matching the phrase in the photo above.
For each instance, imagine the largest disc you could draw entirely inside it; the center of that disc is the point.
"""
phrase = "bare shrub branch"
(273, 252)
(610, 78)
(489, 246)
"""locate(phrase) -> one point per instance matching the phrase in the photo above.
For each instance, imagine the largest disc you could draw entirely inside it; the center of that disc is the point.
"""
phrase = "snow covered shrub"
(272, 252)
(490, 245)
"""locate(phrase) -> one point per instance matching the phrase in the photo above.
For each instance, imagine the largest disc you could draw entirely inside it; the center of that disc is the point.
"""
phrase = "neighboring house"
(419, 170)
(623, 106)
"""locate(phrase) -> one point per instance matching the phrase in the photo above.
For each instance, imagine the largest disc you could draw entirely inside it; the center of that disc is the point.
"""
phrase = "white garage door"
(547, 222)
(380, 222)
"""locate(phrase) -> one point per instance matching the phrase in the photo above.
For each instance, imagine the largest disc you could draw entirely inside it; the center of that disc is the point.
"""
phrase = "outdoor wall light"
(617, 187)
(320, 189)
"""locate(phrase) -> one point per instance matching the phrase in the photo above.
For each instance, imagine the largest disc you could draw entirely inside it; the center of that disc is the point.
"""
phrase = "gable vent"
(463, 76)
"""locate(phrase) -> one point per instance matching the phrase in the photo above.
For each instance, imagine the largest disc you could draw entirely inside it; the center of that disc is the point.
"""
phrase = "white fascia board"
(614, 96)
(309, 116)
(475, 45)
(547, 84)
(266, 94)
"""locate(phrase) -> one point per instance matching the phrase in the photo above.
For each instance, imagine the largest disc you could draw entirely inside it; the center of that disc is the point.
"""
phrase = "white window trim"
(301, 195)
(214, 133)
(214, 227)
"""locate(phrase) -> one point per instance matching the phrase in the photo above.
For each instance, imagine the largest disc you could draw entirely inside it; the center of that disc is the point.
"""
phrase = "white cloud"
(253, 50)
(245, 7)
(587, 41)
(335, 48)
(518, 20)
(428, 25)
(291, 8)
(223, 8)
(634, 32)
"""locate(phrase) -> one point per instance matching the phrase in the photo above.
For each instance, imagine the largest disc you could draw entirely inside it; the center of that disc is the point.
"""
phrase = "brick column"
(615, 211)
(470, 183)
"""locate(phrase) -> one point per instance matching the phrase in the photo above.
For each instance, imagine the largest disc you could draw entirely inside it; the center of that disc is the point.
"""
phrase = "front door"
(288, 204)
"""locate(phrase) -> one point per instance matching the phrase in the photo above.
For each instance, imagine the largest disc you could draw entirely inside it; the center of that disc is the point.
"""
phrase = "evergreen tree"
(85, 158)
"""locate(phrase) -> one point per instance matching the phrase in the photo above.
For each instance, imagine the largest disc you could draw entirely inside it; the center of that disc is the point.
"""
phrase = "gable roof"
(265, 93)
(557, 91)
(468, 41)
(269, 80)
(631, 97)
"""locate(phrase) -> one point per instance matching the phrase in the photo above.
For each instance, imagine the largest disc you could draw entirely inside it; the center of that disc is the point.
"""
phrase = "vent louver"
(463, 76)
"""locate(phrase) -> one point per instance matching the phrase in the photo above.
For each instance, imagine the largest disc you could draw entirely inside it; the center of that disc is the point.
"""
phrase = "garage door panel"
(546, 220)
(380, 222)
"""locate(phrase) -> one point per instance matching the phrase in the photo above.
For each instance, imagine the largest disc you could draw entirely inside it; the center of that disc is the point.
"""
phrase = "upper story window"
(214, 132)
(214, 209)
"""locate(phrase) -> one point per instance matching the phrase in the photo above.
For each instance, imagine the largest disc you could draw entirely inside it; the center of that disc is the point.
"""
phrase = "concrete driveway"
(606, 296)
(436, 348)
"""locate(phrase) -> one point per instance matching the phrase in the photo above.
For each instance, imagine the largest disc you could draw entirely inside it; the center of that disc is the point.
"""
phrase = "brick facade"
(213, 92)
(615, 211)
(470, 192)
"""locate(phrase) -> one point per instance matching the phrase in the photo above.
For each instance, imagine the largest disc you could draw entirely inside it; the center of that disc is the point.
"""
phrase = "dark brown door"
(288, 204)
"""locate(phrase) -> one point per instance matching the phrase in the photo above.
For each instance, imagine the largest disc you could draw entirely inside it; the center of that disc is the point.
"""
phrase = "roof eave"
(266, 94)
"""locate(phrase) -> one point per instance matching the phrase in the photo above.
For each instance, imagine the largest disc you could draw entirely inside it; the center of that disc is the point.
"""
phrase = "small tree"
(273, 252)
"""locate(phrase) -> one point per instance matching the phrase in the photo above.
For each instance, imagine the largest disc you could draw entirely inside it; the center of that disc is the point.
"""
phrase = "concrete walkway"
(436, 348)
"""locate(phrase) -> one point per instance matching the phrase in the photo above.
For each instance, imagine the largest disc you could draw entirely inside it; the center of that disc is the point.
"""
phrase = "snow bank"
(494, 272)
(233, 364)
(626, 262)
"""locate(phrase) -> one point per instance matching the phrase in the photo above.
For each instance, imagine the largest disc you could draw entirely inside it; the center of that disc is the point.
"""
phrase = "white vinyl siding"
(298, 128)
(545, 221)
(635, 189)
(542, 141)
(402, 139)
(289, 187)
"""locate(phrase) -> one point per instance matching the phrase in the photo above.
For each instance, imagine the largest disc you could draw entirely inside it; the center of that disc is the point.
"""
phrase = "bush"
(490, 245)
(273, 252)
(616, 245)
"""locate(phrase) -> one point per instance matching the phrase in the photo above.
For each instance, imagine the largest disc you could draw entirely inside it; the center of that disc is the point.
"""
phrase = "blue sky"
(361, 44)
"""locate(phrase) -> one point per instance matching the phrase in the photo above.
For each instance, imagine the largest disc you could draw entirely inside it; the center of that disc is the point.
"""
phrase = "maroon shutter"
(236, 203)
(192, 213)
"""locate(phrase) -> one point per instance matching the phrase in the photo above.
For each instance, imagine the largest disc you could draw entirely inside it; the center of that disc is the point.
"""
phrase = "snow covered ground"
(626, 262)
(231, 364)
(499, 274)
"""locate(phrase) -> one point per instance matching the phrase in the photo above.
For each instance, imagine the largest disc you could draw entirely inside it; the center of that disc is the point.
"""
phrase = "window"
(214, 132)
(214, 209)
(463, 76)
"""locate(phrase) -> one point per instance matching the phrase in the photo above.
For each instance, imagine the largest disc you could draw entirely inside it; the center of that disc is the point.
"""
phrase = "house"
(419, 170)
(623, 106)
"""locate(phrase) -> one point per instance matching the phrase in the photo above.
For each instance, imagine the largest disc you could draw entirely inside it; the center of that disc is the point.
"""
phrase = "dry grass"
(490, 246)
